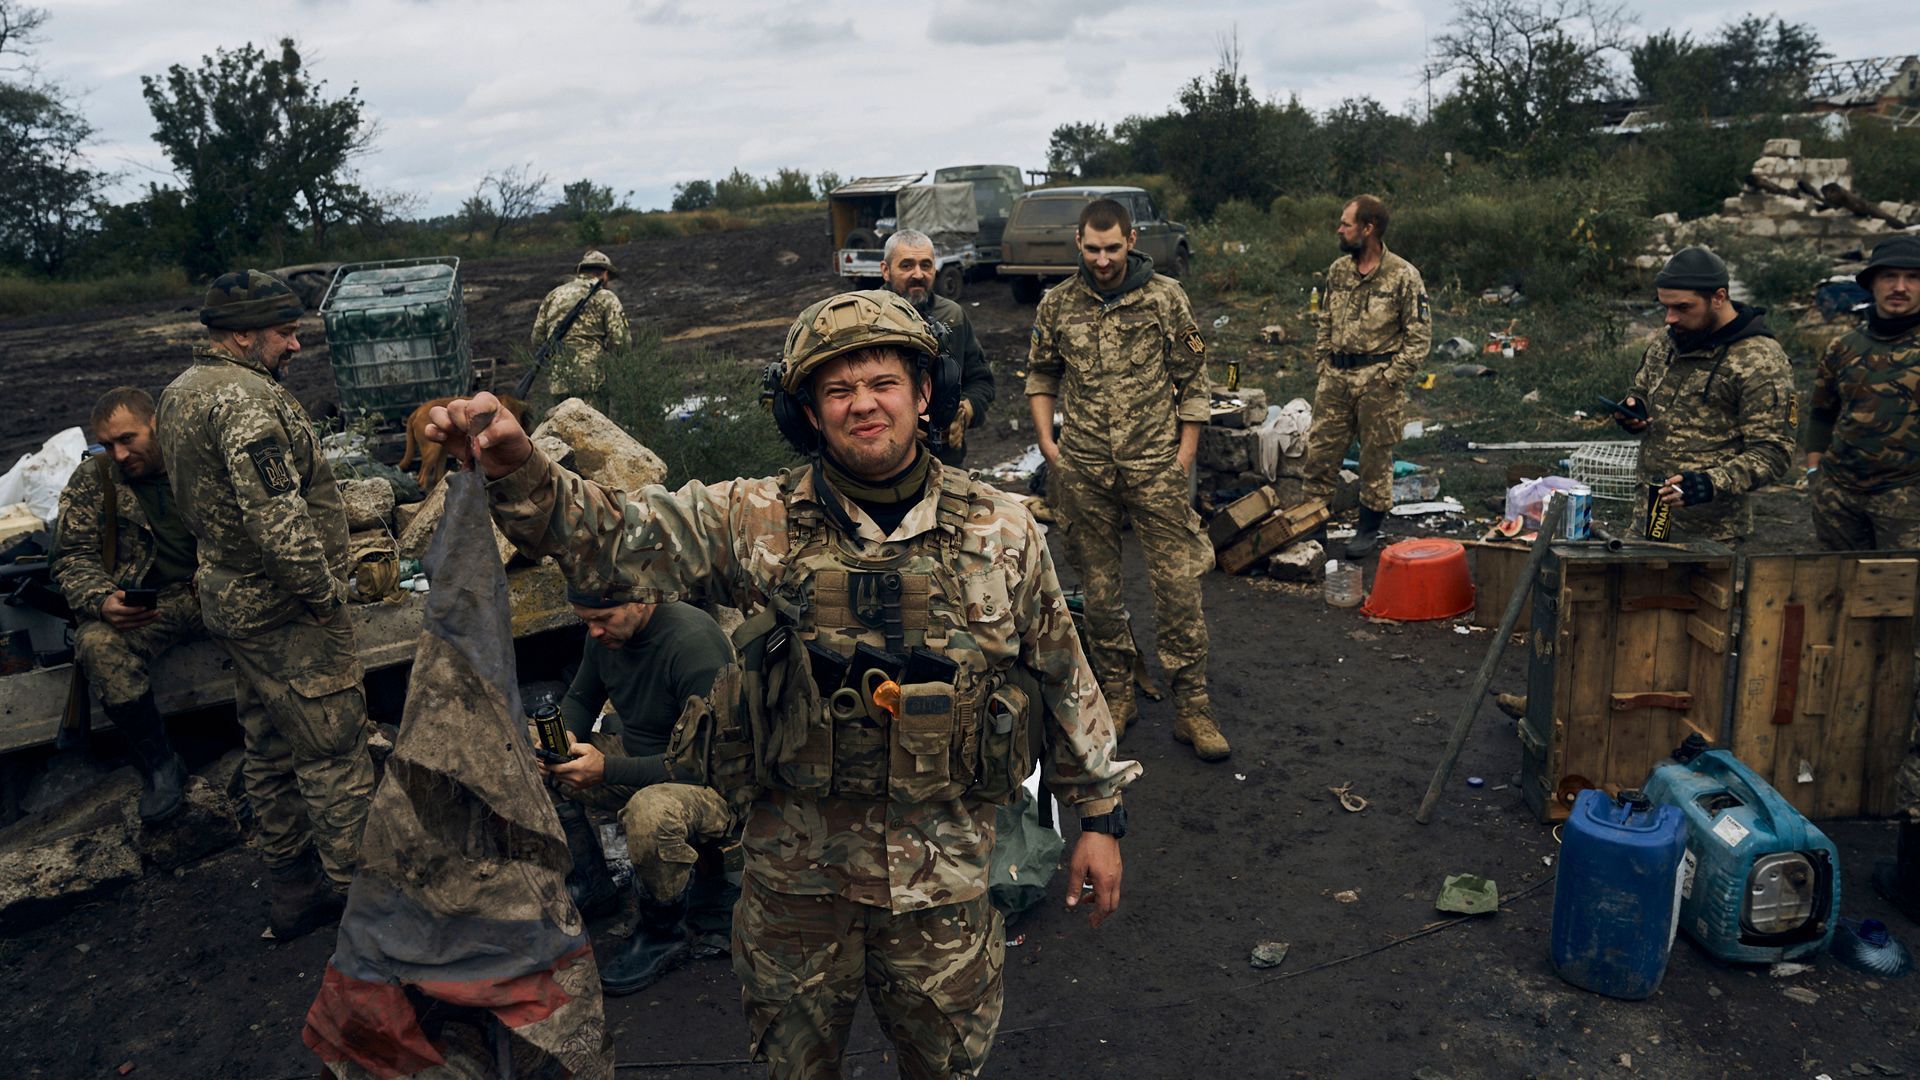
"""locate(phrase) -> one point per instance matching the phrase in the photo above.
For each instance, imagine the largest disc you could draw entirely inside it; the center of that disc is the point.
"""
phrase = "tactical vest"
(841, 612)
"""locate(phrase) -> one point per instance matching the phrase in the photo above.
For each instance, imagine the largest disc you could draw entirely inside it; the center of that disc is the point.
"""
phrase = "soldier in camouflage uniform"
(1863, 448)
(869, 818)
(1375, 327)
(906, 267)
(253, 486)
(118, 530)
(1118, 347)
(601, 326)
(1714, 397)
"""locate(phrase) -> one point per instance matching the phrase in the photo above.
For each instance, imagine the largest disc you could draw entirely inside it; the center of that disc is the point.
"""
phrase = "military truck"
(863, 213)
(995, 188)
(1038, 246)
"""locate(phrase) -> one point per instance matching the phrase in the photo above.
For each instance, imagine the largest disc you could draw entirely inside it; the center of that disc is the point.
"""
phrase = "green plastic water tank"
(397, 334)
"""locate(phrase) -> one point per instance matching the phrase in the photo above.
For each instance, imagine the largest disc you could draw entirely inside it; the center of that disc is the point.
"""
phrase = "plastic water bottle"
(1313, 300)
(1342, 587)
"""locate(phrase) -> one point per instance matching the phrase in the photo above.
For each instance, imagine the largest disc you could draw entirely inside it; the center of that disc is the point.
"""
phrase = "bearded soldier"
(251, 483)
(907, 269)
(904, 631)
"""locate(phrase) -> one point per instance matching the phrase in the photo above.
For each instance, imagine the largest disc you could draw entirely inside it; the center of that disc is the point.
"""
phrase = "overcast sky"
(643, 94)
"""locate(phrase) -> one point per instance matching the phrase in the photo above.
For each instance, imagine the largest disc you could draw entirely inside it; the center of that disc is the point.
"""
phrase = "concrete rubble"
(602, 450)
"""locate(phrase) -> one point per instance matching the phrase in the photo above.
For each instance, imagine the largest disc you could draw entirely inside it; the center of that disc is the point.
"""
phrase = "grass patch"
(35, 296)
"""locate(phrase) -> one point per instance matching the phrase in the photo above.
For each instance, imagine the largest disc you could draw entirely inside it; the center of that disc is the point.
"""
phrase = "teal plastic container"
(1616, 898)
(1761, 882)
(397, 335)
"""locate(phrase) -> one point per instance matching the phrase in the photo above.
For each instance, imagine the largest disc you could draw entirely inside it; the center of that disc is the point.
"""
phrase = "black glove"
(1695, 488)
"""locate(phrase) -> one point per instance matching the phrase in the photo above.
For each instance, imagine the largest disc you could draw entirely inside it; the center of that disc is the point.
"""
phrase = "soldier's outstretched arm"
(272, 510)
(656, 546)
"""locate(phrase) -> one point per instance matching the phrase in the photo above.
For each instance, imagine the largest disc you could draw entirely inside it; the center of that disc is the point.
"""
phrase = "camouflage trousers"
(304, 717)
(1846, 520)
(1358, 402)
(579, 376)
(117, 661)
(665, 824)
(1090, 501)
(933, 976)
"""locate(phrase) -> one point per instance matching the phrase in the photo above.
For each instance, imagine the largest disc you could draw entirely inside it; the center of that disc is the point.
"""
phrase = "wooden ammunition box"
(1802, 664)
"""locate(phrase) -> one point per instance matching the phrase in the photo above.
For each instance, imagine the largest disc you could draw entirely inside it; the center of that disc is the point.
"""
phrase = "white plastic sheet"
(38, 478)
(1283, 434)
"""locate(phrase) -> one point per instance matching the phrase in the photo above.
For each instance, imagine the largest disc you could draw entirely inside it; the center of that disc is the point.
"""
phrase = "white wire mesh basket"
(1609, 468)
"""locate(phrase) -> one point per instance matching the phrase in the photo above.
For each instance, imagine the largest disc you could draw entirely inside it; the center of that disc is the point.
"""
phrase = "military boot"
(658, 945)
(1193, 725)
(163, 776)
(1367, 536)
(303, 900)
(588, 884)
(1121, 705)
(710, 902)
(1899, 880)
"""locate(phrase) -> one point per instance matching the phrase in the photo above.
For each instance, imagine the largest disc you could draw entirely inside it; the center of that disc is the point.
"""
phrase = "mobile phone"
(142, 598)
(1637, 411)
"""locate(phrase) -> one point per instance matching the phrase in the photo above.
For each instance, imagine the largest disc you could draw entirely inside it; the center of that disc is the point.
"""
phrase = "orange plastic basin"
(1421, 579)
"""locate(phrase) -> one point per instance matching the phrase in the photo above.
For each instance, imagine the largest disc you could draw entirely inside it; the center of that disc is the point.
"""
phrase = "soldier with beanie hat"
(251, 484)
(1714, 397)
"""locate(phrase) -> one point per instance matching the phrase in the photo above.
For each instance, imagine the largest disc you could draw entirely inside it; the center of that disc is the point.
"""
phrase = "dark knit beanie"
(249, 300)
(595, 601)
(1693, 268)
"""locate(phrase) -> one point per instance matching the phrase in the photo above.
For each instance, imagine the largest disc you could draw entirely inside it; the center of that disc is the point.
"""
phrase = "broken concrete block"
(1781, 148)
(369, 503)
(403, 515)
(1304, 561)
(419, 531)
(70, 851)
(1346, 493)
(1667, 220)
(1275, 334)
(1225, 450)
(554, 447)
(206, 825)
(602, 451)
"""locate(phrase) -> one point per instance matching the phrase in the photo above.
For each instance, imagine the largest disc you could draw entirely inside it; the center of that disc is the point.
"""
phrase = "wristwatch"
(1113, 822)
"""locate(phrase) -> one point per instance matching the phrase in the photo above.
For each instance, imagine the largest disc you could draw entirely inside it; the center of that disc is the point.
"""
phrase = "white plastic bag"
(1528, 498)
(37, 479)
(1283, 433)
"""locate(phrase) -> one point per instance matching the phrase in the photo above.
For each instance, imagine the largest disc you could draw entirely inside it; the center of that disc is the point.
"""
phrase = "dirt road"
(171, 976)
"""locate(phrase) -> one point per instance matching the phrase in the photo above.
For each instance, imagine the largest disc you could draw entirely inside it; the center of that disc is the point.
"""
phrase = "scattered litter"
(1415, 488)
(1268, 954)
(1714, 991)
(1423, 721)
(1866, 945)
(1546, 860)
(1349, 801)
(1531, 397)
(1475, 781)
(125, 1068)
(1363, 635)
(1222, 321)
(1426, 381)
(1784, 970)
(1453, 349)
(1468, 894)
(1462, 629)
(1016, 941)
(1626, 1061)
(1800, 994)
(1472, 371)
(1239, 776)
(1805, 773)
(1347, 896)
(1448, 505)
(1273, 334)
(1413, 429)
(688, 409)
(84, 948)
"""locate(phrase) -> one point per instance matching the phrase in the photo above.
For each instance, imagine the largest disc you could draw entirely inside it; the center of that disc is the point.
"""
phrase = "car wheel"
(1027, 290)
(947, 282)
(861, 240)
(1180, 265)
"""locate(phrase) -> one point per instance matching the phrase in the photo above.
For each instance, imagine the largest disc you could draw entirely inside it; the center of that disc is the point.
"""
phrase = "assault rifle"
(525, 384)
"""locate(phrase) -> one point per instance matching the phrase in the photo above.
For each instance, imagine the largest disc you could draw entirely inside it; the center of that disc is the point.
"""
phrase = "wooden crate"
(1631, 653)
(1272, 533)
(1497, 568)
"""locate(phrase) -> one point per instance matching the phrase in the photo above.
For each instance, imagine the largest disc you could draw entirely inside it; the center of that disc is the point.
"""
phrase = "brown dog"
(433, 456)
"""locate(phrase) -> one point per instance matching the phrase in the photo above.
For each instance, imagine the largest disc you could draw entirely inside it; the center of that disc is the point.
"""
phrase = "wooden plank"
(1673, 667)
(1496, 573)
(1819, 589)
(1677, 700)
(1271, 534)
(1661, 602)
(1586, 673)
(1713, 592)
(1890, 720)
(1706, 671)
(1586, 584)
(1769, 581)
(1636, 639)
(1818, 680)
(1706, 634)
(1792, 634)
(1243, 513)
(1882, 588)
(1840, 758)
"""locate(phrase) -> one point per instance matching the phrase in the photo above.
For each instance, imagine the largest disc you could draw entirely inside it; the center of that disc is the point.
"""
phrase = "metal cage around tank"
(397, 334)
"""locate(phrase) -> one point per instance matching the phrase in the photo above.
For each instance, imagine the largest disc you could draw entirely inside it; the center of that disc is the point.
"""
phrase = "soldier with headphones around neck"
(906, 647)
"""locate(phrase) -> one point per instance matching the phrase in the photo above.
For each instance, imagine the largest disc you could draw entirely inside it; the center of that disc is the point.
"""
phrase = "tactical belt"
(1346, 361)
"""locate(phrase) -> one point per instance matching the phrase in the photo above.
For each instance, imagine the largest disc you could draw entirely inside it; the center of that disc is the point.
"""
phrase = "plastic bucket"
(1421, 579)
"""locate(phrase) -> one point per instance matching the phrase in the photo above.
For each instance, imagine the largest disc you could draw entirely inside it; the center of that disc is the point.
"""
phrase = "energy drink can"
(1659, 515)
(1578, 523)
(551, 730)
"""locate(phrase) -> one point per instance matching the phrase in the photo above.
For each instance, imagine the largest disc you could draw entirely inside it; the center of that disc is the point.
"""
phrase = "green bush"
(726, 433)
(34, 295)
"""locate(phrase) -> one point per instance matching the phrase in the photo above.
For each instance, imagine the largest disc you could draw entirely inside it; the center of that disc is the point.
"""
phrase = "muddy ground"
(172, 977)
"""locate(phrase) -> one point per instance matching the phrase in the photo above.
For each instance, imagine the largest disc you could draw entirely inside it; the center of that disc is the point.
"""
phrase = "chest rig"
(867, 677)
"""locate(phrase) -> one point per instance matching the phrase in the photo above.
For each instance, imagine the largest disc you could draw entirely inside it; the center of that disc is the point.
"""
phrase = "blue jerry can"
(1762, 883)
(1617, 895)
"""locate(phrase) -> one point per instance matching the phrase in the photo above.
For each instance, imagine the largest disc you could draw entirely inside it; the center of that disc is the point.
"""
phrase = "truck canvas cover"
(942, 211)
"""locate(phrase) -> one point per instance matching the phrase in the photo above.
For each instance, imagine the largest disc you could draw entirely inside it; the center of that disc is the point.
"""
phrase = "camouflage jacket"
(260, 498)
(976, 375)
(1864, 413)
(1384, 313)
(602, 324)
(1726, 409)
(79, 564)
(728, 543)
(1126, 373)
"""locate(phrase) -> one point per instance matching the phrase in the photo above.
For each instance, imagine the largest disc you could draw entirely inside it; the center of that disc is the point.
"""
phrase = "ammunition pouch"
(1010, 737)
(926, 762)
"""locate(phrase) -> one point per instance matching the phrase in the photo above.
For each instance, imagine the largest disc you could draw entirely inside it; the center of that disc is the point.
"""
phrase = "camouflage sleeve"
(1416, 324)
(654, 546)
(1081, 767)
(1823, 403)
(1044, 362)
(1187, 362)
(543, 322)
(1643, 376)
(266, 489)
(1765, 418)
(619, 335)
(1323, 322)
(77, 565)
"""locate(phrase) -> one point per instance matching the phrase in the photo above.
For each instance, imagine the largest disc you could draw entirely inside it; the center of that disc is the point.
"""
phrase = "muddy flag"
(459, 946)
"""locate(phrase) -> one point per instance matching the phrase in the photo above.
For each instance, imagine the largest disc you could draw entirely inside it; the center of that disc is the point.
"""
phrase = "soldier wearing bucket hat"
(905, 635)
(578, 370)
(1714, 398)
(259, 497)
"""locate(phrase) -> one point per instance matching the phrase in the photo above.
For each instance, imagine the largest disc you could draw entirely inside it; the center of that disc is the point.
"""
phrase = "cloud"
(1007, 22)
(798, 32)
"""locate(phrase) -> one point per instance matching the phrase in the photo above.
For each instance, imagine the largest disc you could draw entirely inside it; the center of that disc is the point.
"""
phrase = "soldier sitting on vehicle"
(125, 561)
(655, 663)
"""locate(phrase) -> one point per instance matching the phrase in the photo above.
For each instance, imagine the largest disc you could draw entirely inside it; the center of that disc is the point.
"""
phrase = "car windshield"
(1046, 213)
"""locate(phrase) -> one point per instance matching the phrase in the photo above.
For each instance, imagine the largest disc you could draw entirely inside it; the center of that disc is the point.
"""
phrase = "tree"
(1527, 71)
(504, 202)
(693, 195)
(50, 188)
(789, 186)
(1226, 143)
(259, 150)
(584, 198)
(1082, 149)
(1754, 65)
(1362, 143)
(19, 28)
(826, 182)
(738, 191)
